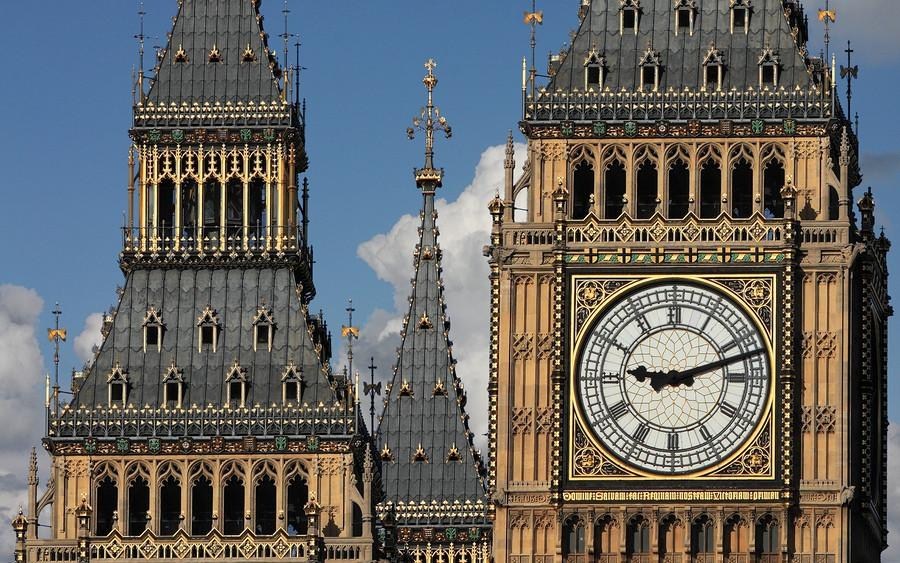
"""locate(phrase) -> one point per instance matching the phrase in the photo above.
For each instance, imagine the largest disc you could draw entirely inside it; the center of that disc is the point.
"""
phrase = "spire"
(218, 52)
(428, 177)
(427, 452)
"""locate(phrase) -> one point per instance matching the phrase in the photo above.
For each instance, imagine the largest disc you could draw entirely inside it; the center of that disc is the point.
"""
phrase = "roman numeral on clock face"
(618, 410)
(737, 377)
(673, 441)
(705, 433)
(641, 433)
(609, 378)
(729, 410)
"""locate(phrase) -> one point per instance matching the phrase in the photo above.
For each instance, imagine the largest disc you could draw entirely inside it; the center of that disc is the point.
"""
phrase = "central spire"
(429, 178)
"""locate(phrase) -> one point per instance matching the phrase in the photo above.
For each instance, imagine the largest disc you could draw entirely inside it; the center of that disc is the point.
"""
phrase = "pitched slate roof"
(774, 24)
(425, 407)
(217, 52)
(180, 296)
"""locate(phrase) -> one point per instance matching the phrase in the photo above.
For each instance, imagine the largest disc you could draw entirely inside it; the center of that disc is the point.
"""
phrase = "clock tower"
(688, 315)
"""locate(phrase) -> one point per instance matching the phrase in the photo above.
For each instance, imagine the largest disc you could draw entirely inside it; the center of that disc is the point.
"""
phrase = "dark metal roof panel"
(231, 27)
(682, 55)
(423, 418)
(181, 295)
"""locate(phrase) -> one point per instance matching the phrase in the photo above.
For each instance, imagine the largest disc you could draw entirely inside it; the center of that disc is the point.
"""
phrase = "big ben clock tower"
(688, 315)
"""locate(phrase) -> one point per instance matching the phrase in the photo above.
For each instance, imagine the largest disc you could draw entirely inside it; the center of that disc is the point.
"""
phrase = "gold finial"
(429, 177)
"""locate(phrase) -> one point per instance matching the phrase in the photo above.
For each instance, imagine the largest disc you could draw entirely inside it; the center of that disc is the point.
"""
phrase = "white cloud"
(89, 338)
(464, 230)
(21, 397)
(892, 555)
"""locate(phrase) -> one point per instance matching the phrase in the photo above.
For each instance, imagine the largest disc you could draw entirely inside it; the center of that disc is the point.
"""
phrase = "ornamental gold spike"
(428, 177)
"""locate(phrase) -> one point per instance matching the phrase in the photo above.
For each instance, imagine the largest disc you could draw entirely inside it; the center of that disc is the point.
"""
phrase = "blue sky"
(65, 103)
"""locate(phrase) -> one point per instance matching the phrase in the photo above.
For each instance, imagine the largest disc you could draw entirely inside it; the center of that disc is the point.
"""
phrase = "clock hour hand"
(658, 379)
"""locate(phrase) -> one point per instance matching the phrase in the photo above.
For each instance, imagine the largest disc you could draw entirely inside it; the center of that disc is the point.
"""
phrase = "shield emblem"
(123, 445)
(567, 128)
(600, 128)
(631, 128)
(178, 135)
(246, 135)
(790, 126)
(280, 443)
(757, 126)
(154, 444)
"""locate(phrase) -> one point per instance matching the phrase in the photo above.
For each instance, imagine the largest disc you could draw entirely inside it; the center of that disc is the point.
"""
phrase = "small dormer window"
(629, 16)
(117, 381)
(208, 333)
(181, 55)
(263, 327)
(215, 55)
(594, 71)
(173, 387)
(153, 330)
(769, 65)
(292, 384)
(713, 69)
(236, 385)
(684, 16)
(740, 16)
(650, 70)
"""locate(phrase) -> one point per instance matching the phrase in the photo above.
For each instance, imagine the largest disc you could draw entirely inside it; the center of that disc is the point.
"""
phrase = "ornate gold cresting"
(428, 177)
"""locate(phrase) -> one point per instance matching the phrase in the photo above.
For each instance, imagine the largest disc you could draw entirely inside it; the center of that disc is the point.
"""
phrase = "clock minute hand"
(690, 374)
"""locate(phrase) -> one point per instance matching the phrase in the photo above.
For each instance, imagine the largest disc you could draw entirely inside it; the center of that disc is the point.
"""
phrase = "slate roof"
(435, 421)
(232, 27)
(181, 296)
(773, 24)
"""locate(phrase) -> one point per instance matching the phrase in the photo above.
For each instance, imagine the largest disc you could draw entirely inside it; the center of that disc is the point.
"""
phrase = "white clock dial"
(674, 377)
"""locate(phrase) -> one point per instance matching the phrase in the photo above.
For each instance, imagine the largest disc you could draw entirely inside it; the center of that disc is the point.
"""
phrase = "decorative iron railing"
(213, 239)
(128, 422)
(678, 105)
(230, 114)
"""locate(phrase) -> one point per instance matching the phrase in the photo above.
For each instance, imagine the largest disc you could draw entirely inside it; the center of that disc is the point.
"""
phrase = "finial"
(350, 332)
(851, 73)
(828, 16)
(428, 177)
(533, 18)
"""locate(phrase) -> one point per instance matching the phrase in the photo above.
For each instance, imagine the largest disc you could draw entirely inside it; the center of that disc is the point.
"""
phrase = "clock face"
(674, 378)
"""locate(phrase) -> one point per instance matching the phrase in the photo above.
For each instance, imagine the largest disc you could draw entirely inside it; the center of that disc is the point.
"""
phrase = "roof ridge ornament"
(429, 178)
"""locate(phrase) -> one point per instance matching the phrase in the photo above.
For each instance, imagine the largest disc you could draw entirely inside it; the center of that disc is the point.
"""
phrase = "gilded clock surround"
(588, 459)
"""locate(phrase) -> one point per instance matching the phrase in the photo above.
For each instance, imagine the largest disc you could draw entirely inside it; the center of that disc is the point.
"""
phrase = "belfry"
(688, 315)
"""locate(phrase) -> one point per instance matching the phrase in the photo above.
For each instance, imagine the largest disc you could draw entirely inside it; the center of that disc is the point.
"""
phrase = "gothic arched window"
(573, 537)
(153, 330)
(685, 11)
(740, 16)
(265, 500)
(594, 71)
(208, 334)
(703, 538)
(169, 500)
(638, 536)
(735, 541)
(173, 387)
(614, 189)
(166, 210)
(583, 192)
(647, 189)
(713, 69)
(236, 385)
(233, 505)
(188, 208)
(773, 182)
(107, 500)
(679, 188)
(768, 541)
(710, 189)
(263, 327)
(292, 384)
(651, 69)
(117, 382)
(297, 497)
(629, 16)
(212, 211)
(138, 503)
(257, 219)
(606, 536)
(769, 69)
(201, 500)
(742, 187)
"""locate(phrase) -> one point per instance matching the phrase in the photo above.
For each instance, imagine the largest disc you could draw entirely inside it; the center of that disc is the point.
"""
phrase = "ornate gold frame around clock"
(592, 294)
